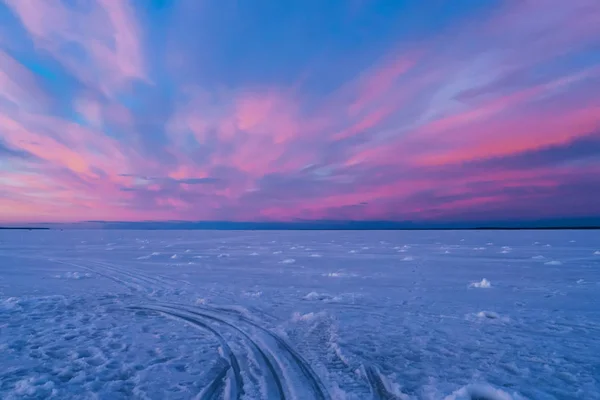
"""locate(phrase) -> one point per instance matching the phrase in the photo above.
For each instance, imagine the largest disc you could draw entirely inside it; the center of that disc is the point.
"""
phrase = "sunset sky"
(270, 110)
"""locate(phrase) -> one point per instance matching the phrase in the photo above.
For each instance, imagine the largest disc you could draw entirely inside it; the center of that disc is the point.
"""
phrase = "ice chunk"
(339, 275)
(554, 262)
(74, 275)
(483, 284)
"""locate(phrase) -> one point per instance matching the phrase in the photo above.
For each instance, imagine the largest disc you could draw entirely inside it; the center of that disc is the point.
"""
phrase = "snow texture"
(114, 315)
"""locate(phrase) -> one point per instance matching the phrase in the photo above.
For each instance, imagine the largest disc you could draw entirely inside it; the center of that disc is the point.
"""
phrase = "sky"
(269, 110)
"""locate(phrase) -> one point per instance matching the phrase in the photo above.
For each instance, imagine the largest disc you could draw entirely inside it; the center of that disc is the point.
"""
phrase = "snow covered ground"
(300, 315)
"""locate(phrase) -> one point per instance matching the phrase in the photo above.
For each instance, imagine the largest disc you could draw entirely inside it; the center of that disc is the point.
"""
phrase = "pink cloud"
(107, 33)
(381, 80)
(408, 136)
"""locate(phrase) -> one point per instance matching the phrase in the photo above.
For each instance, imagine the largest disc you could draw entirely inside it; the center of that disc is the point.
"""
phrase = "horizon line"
(555, 223)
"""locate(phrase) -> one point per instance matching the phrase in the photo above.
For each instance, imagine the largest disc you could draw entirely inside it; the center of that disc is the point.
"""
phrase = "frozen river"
(300, 315)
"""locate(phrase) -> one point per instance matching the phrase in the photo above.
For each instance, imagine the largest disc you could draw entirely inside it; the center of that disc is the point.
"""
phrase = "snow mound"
(74, 275)
(483, 284)
(487, 317)
(553, 263)
(317, 296)
(480, 392)
(488, 314)
(311, 316)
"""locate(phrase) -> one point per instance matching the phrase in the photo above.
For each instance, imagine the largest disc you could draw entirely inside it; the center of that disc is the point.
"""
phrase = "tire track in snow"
(268, 361)
(142, 283)
(379, 389)
(149, 283)
(131, 286)
(237, 389)
(156, 280)
(135, 281)
(310, 377)
(217, 385)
